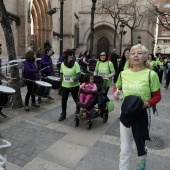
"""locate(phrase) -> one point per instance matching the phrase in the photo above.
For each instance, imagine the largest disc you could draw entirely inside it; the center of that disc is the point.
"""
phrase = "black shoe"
(59, 91)
(165, 87)
(3, 116)
(35, 105)
(39, 100)
(50, 98)
(62, 117)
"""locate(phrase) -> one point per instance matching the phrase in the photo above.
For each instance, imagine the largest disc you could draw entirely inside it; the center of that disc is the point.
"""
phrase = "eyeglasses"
(102, 55)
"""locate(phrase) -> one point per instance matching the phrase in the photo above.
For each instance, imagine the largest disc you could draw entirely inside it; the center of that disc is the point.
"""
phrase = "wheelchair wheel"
(76, 119)
(89, 124)
(105, 117)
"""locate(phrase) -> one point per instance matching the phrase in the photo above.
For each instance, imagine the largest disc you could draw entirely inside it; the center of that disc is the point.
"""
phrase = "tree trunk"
(115, 34)
(5, 23)
(131, 29)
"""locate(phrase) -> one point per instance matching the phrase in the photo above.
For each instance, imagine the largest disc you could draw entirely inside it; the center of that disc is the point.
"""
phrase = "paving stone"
(53, 114)
(114, 130)
(24, 148)
(99, 157)
(60, 145)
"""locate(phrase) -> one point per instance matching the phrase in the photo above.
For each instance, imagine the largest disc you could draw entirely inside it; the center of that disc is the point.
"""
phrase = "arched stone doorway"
(42, 24)
(102, 45)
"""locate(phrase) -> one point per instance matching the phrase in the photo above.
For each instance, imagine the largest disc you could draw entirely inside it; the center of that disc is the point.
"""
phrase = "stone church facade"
(36, 26)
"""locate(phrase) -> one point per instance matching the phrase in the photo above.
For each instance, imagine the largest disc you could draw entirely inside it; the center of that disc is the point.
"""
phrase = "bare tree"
(133, 15)
(161, 10)
(5, 23)
(111, 8)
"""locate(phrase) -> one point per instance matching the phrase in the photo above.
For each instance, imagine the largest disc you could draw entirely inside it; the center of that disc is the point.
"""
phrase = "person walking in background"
(47, 45)
(31, 47)
(80, 55)
(46, 63)
(136, 111)
(114, 59)
(160, 65)
(153, 63)
(92, 63)
(38, 57)
(46, 67)
(124, 62)
(167, 65)
(85, 60)
(105, 69)
(30, 74)
(59, 62)
(69, 75)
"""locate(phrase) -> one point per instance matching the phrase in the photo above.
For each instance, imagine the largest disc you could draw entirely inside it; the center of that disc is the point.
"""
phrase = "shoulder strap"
(98, 66)
(149, 79)
(109, 67)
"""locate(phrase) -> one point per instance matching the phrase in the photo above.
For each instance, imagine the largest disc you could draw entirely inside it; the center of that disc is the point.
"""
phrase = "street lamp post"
(122, 32)
(61, 26)
(139, 39)
(92, 25)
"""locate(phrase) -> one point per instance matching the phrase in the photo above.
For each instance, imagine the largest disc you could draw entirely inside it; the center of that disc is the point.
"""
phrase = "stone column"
(22, 28)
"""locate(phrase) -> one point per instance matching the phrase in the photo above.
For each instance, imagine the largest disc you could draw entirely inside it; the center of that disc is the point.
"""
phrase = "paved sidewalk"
(40, 142)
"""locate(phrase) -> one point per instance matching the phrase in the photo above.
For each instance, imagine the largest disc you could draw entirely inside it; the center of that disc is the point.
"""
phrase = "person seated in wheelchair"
(88, 90)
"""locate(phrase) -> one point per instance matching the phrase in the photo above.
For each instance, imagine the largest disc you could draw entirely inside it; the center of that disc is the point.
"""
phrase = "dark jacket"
(132, 115)
(59, 62)
(113, 59)
(30, 70)
(92, 65)
(45, 62)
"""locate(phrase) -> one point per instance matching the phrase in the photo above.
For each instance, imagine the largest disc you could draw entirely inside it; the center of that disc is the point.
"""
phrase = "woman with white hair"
(141, 90)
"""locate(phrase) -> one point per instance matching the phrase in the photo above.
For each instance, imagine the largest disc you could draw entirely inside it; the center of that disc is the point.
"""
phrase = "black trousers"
(160, 75)
(65, 93)
(30, 85)
(44, 78)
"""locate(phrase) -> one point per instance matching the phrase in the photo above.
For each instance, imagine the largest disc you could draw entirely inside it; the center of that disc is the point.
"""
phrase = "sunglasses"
(102, 55)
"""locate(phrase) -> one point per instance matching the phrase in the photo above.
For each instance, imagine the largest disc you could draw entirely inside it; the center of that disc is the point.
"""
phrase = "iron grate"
(157, 142)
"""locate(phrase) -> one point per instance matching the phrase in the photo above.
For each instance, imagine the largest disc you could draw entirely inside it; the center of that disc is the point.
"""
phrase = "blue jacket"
(46, 61)
(59, 62)
(30, 70)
